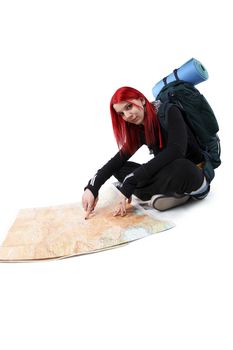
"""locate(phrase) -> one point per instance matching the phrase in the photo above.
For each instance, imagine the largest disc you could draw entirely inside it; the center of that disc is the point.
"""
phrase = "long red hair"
(127, 134)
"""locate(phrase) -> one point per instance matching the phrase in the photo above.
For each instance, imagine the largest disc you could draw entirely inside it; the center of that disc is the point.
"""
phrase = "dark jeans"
(180, 176)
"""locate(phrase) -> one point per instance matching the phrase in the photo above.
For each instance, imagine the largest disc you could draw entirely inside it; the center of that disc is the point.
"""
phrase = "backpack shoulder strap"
(163, 109)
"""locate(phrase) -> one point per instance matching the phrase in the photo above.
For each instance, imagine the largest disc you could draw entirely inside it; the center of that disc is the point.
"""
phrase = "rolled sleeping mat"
(192, 72)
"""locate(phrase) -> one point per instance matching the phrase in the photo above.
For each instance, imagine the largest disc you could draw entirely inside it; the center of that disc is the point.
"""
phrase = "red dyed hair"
(127, 134)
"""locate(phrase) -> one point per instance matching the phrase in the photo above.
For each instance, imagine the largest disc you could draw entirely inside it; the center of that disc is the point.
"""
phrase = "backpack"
(198, 115)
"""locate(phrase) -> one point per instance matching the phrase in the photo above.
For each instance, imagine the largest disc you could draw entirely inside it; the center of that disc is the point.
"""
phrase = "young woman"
(175, 173)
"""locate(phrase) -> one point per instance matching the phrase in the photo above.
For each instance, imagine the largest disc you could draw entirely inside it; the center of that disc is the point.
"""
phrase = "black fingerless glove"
(128, 186)
(94, 191)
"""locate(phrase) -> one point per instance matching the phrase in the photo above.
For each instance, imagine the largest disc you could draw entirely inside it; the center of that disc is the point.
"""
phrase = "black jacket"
(178, 142)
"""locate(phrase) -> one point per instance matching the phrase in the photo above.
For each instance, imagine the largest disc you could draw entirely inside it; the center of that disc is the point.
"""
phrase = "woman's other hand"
(121, 207)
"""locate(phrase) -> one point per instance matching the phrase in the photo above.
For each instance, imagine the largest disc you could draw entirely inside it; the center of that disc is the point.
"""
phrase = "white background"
(60, 63)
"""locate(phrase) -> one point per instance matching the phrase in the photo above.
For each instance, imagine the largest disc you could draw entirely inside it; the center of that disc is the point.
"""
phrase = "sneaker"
(141, 202)
(200, 196)
(202, 192)
(164, 202)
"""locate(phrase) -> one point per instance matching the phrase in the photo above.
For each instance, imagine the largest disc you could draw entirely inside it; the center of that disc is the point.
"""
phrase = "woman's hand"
(89, 202)
(121, 208)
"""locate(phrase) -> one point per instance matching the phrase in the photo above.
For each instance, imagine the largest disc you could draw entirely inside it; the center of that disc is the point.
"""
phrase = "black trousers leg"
(180, 176)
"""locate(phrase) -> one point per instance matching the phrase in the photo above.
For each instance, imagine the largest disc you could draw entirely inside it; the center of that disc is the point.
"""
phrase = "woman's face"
(131, 111)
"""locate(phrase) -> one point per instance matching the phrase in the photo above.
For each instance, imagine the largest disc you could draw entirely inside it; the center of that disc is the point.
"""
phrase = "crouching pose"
(175, 173)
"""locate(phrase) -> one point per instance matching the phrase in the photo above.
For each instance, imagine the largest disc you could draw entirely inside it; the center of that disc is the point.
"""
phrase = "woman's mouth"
(132, 120)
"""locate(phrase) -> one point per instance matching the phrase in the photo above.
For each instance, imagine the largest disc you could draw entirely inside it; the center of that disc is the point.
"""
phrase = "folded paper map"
(62, 231)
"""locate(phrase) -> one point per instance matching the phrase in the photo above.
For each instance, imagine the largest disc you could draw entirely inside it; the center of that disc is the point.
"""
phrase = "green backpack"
(198, 115)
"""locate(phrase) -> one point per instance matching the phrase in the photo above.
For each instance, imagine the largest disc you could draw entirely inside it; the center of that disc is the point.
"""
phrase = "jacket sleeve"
(176, 147)
(106, 172)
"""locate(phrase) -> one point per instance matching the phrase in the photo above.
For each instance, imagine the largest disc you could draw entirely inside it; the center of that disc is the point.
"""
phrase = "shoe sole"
(167, 202)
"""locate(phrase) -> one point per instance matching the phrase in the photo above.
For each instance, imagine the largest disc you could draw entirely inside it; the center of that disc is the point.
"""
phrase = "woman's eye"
(129, 106)
(121, 114)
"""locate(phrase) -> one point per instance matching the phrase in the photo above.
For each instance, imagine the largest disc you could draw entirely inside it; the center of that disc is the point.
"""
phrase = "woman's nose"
(128, 114)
